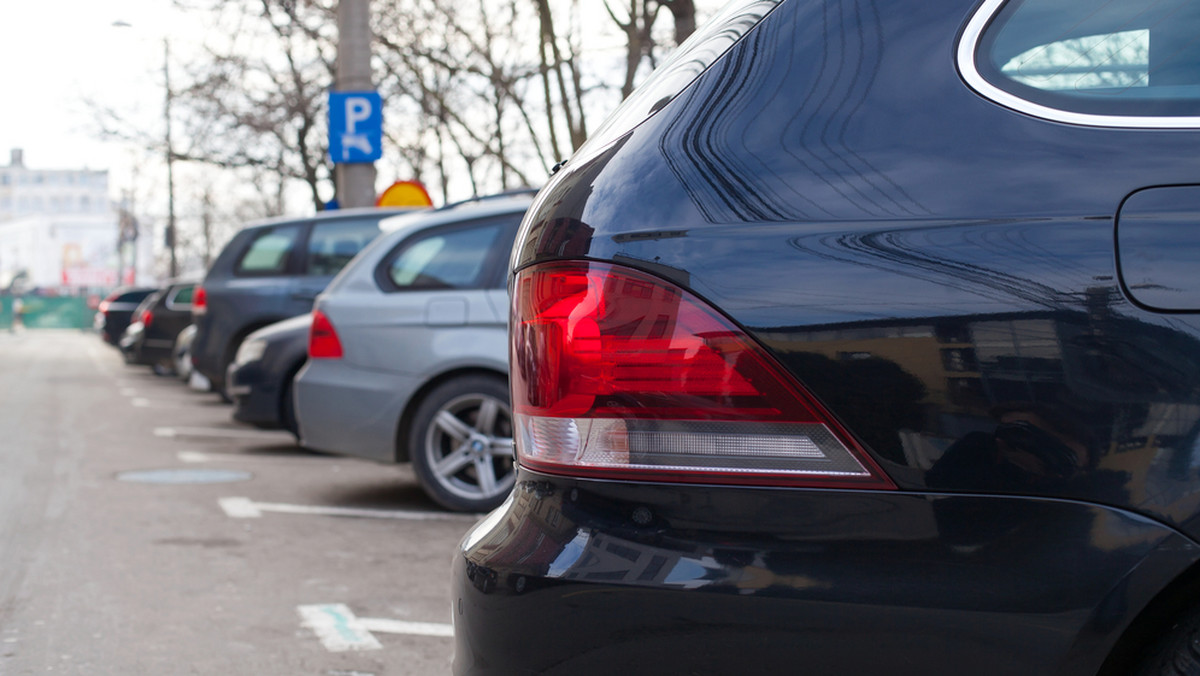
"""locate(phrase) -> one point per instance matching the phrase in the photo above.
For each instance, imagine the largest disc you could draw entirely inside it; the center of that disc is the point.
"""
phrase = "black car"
(863, 339)
(150, 338)
(133, 332)
(260, 377)
(116, 311)
(270, 271)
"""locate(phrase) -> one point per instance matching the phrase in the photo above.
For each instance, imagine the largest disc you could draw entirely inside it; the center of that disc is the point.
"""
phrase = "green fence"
(47, 312)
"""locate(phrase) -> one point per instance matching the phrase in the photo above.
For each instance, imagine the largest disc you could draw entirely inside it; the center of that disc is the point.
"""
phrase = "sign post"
(355, 110)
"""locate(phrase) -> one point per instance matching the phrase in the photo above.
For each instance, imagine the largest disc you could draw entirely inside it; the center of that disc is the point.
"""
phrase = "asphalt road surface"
(143, 531)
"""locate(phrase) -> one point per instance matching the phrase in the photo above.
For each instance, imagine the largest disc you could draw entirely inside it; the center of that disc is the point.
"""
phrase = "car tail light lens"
(107, 302)
(147, 317)
(619, 374)
(323, 340)
(199, 301)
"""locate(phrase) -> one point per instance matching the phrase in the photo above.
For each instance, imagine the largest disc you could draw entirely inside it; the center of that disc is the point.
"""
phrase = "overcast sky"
(58, 55)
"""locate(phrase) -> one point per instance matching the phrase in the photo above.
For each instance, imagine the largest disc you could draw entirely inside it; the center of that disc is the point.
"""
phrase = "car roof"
(183, 279)
(333, 214)
(492, 205)
(399, 227)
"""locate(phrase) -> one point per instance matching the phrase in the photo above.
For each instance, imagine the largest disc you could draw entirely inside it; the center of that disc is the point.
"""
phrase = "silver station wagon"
(408, 353)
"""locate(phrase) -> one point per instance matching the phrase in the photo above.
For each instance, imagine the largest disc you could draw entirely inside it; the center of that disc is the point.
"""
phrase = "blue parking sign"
(355, 127)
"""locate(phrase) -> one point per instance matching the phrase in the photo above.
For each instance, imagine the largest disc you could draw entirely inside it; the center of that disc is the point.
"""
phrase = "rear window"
(269, 251)
(332, 245)
(1129, 58)
(133, 296)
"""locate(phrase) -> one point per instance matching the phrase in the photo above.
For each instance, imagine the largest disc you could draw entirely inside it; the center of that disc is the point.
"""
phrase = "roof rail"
(483, 198)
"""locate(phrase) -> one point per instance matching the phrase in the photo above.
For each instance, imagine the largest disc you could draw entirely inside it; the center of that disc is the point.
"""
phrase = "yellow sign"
(404, 194)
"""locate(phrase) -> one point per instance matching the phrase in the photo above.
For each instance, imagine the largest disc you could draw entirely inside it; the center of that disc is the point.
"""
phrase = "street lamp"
(170, 153)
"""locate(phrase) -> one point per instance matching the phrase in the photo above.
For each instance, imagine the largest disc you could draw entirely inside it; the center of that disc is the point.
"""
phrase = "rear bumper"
(587, 577)
(153, 352)
(255, 396)
(350, 411)
(208, 354)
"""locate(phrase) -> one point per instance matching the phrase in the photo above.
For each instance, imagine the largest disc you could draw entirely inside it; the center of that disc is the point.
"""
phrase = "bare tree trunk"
(206, 204)
(545, 40)
(568, 111)
(638, 41)
(441, 163)
(498, 94)
(684, 13)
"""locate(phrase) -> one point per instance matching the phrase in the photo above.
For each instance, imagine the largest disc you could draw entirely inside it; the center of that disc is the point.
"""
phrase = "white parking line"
(219, 433)
(385, 626)
(340, 631)
(193, 456)
(245, 508)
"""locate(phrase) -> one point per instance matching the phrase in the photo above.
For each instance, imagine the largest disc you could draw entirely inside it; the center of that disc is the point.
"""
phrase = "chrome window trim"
(968, 45)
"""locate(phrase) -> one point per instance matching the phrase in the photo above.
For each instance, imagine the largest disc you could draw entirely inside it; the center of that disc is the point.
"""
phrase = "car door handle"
(304, 296)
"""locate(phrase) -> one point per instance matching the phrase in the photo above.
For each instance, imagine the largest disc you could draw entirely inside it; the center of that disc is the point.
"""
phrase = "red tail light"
(104, 304)
(619, 374)
(199, 301)
(323, 340)
(147, 317)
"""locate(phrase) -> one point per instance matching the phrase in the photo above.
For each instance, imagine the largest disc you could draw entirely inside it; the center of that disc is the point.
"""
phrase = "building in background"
(25, 192)
(59, 232)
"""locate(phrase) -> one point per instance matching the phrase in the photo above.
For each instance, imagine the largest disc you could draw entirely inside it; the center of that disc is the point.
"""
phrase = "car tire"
(1178, 652)
(460, 444)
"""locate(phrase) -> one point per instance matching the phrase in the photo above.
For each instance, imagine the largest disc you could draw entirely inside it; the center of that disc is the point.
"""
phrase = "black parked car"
(260, 377)
(268, 272)
(150, 338)
(116, 311)
(864, 339)
(133, 332)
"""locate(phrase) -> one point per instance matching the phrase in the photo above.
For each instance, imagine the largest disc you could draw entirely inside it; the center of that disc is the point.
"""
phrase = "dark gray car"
(270, 271)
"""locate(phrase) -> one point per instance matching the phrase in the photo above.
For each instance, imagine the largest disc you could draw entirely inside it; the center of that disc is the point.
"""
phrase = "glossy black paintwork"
(938, 269)
(586, 577)
(942, 273)
(1158, 248)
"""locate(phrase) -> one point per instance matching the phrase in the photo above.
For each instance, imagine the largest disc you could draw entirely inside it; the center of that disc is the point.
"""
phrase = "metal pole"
(355, 183)
(174, 269)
